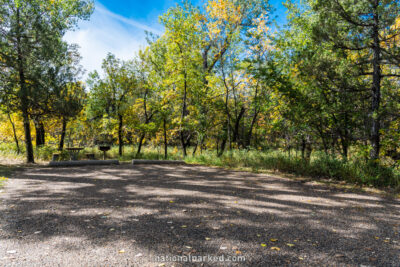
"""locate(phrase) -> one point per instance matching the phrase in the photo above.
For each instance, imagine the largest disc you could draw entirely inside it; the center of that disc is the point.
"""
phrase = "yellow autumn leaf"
(290, 245)
(273, 240)
(275, 248)
(263, 245)
(121, 251)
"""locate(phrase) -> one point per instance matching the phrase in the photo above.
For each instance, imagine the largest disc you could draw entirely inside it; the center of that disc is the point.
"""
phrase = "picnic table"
(73, 152)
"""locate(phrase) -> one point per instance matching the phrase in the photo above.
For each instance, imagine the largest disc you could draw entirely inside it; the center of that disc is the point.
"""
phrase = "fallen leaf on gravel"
(112, 229)
(258, 235)
(139, 255)
(290, 245)
(188, 247)
(19, 231)
(37, 232)
(171, 201)
(207, 238)
(223, 248)
(273, 240)
(162, 264)
(11, 252)
(238, 252)
(263, 245)
(121, 251)
(275, 248)
(300, 258)
(376, 237)
(184, 226)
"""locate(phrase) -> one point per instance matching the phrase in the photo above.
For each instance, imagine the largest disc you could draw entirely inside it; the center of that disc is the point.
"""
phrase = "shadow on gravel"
(192, 210)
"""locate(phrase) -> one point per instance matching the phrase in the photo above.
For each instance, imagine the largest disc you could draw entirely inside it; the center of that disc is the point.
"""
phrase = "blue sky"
(118, 26)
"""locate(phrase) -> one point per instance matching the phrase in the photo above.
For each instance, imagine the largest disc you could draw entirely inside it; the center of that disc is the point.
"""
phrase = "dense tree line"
(221, 77)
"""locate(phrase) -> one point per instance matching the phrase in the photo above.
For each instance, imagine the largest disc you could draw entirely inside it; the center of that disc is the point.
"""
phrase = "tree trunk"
(250, 133)
(376, 91)
(24, 96)
(120, 139)
(237, 125)
(165, 139)
(28, 137)
(40, 133)
(63, 131)
(222, 148)
(14, 132)
(308, 152)
(303, 148)
(195, 149)
(182, 131)
(140, 144)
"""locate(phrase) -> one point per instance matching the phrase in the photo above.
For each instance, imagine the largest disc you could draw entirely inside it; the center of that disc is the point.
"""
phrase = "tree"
(154, 58)
(113, 94)
(183, 60)
(365, 29)
(30, 32)
(68, 105)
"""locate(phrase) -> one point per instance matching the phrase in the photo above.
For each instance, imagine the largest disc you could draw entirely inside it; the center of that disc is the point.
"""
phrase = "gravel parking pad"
(149, 215)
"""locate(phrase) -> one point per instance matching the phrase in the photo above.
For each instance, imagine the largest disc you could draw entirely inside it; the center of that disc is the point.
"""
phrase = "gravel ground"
(141, 215)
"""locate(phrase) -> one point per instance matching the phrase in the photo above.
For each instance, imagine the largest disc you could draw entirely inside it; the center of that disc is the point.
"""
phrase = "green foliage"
(356, 172)
(219, 83)
(31, 49)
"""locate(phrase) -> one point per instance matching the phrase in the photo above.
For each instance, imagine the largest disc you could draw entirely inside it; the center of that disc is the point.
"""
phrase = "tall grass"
(355, 171)
(320, 166)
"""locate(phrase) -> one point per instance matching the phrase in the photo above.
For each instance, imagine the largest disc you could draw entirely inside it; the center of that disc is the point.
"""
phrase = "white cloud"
(108, 32)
